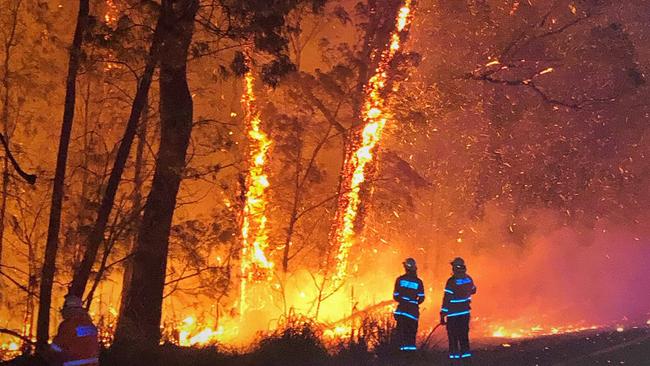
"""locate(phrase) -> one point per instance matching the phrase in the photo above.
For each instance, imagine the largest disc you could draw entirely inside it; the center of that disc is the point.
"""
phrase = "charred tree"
(51, 246)
(139, 323)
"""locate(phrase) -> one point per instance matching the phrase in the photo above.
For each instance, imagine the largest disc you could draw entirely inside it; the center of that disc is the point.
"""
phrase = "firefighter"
(409, 294)
(75, 343)
(455, 312)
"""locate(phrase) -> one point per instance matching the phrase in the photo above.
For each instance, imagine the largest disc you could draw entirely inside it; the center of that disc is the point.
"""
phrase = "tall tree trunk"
(6, 84)
(82, 213)
(80, 279)
(51, 246)
(138, 180)
(293, 216)
(139, 323)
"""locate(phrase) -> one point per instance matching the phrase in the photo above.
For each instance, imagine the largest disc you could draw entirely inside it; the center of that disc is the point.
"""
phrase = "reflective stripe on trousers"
(85, 361)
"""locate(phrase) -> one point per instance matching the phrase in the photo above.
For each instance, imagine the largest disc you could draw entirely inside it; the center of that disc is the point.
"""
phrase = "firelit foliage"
(263, 23)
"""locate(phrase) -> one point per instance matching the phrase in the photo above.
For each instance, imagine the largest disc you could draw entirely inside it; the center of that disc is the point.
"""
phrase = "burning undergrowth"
(561, 279)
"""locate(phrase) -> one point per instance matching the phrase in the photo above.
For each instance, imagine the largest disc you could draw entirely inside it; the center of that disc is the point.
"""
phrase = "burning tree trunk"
(360, 149)
(255, 265)
(49, 261)
(139, 323)
(96, 236)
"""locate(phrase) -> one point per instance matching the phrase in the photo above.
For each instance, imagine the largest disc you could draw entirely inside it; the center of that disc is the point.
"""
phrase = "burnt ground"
(598, 347)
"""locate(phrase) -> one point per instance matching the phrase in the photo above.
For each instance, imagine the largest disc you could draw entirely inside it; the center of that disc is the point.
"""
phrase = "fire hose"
(425, 344)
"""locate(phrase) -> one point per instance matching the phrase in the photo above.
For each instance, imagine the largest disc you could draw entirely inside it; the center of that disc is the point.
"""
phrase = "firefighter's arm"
(473, 291)
(420, 292)
(61, 343)
(396, 291)
(446, 299)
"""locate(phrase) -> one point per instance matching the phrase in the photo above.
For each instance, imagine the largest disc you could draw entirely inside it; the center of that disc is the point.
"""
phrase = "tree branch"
(530, 84)
(12, 280)
(29, 178)
(13, 333)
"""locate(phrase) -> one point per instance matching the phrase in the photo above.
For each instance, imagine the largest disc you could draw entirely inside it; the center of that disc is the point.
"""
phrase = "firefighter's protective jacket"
(76, 343)
(458, 295)
(409, 293)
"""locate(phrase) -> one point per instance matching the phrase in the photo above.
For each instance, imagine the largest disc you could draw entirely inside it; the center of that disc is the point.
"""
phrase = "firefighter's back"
(77, 341)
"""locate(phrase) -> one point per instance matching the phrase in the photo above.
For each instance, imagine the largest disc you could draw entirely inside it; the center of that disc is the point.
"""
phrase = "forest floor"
(595, 347)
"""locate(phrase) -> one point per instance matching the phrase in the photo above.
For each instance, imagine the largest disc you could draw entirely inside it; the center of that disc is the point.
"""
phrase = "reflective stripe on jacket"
(409, 293)
(458, 295)
(87, 361)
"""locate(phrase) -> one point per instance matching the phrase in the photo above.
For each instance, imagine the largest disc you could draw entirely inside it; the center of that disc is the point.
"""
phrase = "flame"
(374, 116)
(515, 7)
(516, 332)
(338, 332)
(191, 333)
(255, 265)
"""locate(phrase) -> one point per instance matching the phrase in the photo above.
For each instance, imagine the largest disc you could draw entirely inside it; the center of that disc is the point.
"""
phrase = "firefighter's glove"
(443, 319)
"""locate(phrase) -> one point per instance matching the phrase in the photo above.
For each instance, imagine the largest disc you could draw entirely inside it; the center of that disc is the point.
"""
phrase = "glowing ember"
(515, 7)
(111, 14)
(375, 116)
(255, 265)
(9, 350)
(546, 71)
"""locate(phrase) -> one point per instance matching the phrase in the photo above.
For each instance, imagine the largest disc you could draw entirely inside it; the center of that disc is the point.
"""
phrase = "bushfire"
(503, 189)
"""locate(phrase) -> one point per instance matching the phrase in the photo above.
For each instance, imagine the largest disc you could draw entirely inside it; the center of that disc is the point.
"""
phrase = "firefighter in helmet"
(75, 343)
(455, 312)
(409, 294)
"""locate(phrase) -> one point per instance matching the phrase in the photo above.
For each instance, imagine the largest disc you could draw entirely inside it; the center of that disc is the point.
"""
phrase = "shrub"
(297, 344)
